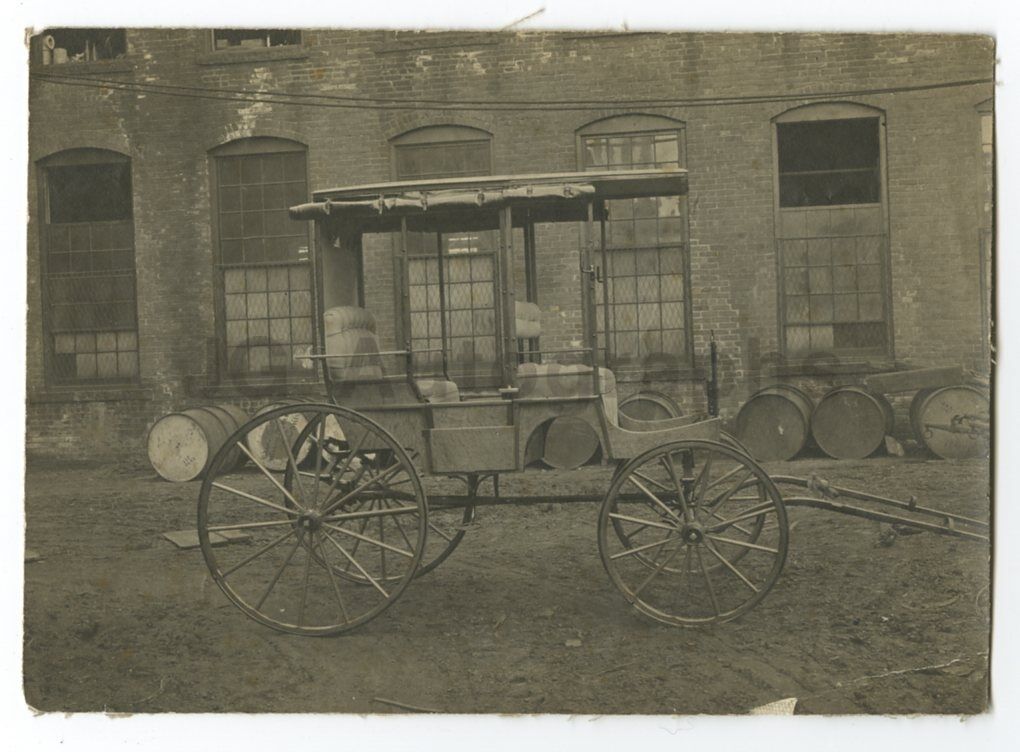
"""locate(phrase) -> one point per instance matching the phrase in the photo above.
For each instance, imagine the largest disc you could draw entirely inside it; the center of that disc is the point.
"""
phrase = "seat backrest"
(350, 331)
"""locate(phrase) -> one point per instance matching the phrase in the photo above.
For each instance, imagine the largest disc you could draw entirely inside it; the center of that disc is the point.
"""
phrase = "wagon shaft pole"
(923, 518)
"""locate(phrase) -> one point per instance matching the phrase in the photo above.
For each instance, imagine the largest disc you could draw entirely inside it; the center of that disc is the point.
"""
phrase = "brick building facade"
(838, 211)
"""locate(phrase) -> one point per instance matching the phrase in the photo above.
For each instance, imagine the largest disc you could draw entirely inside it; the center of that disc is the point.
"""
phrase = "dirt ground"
(521, 619)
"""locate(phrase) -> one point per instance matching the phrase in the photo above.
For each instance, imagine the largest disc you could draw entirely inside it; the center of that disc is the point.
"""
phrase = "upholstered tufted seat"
(350, 331)
(559, 380)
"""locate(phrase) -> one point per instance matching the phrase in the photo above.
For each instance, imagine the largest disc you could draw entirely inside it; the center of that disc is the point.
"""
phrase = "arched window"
(88, 242)
(265, 286)
(647, 288)
(451, 276)
(831, 230)
(442, 151)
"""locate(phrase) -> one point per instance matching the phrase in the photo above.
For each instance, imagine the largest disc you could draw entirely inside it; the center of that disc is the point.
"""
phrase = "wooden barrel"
(569, 443)
(649, 405)
(775, 422)
(951, 421)
(851, 423)
(264, 441)
(181, 445)
(231, 418)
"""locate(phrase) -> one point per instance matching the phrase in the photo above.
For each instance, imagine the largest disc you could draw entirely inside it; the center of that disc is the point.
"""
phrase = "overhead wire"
(336, 101)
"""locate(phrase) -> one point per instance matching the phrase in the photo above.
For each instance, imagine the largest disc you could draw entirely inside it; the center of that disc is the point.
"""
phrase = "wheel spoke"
(333, 582)
(268, 547)
(272, 478)
(318, 457)
(400, 527)
(347, 464)
(304, 584)
(383, 547)
(732, 542)
(368, 539)
(360, 514)
(256, 499)
(703, 477)
(440, 533)
(286, 561)
(645, 547)
(290, 457)
(750, 514)
(248, 525)
(708, 582)
(656, 499)
(723, 478)
(655, 573)
(391, 471)
(639, 521)
(722, 498)
(370, 578)
(667, 460)
(729, 566)
(648, 479)
(744, 530)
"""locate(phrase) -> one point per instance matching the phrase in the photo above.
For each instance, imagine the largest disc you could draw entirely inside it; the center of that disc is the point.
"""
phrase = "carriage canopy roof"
(474, 202)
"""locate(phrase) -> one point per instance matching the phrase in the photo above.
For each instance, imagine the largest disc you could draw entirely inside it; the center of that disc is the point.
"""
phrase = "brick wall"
(934, 181)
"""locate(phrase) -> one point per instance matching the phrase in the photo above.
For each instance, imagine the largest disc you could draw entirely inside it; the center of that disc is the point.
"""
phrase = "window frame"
(236, 48)
(451, 134)
(72, 158)
(636, 124)
(845, 358)
(447, 134)
(121, 61)
(254, 146)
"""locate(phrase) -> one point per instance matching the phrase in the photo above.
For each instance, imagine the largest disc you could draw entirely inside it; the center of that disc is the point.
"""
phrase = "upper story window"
(228, 39)
(262, 255)
(451, 276)
(832, 232)
(445, 151)
(646, 288)
(61, 46)
(90, 314)
(829, 162)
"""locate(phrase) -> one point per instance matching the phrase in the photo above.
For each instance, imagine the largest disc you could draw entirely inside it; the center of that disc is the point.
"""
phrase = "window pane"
(89, 193)
(636, 223)
(447, 159)
(90, 291)
(829, 162)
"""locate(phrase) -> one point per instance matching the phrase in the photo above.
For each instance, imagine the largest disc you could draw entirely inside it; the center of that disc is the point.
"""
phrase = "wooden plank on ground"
(189, 538)
(911, 381)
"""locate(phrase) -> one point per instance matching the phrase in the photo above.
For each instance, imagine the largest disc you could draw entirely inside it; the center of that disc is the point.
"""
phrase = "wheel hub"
(692, 533)
(310, 521)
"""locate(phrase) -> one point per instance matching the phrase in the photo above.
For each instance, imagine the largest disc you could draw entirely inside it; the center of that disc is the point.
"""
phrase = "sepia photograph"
(427, 370)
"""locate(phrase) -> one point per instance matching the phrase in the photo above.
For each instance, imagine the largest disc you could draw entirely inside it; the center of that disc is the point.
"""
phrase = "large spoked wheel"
(693, 532)
(329, 541)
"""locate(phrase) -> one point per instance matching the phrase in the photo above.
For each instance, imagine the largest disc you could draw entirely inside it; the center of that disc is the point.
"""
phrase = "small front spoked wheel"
(328, 541)
(693, 532)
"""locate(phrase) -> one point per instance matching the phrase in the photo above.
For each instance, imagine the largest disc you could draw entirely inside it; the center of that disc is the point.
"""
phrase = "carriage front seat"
(350, 331)
(559, 379)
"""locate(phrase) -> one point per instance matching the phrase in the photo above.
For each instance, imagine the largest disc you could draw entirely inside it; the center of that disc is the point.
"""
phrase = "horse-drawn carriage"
(377, 482)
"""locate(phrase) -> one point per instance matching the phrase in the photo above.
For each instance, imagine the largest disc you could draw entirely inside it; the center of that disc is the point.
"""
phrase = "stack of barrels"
(181, 445)
(852, 422)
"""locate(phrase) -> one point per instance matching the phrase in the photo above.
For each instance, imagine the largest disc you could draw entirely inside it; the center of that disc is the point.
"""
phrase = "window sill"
(89, 393)
(844, 366)
(254, 55)
(92, 68)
